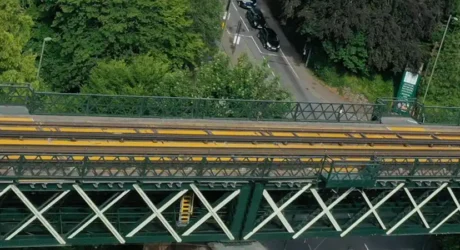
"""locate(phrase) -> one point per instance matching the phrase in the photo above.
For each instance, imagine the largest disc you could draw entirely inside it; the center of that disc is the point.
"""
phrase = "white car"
(247, 3)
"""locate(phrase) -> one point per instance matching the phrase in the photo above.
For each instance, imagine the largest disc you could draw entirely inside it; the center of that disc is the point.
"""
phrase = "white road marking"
(244, 23)
(290, 66)
(260, 51)
(319, 244)
(234, 6)
(366, 246)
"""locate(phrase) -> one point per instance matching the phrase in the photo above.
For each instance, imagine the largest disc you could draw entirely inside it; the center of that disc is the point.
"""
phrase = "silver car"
(247, 4)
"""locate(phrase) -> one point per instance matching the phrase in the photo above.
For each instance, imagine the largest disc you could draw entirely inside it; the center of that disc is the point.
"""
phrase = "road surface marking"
(319, 244)
(244, 23)
(234, 6)
(290, 66)
(366, 246)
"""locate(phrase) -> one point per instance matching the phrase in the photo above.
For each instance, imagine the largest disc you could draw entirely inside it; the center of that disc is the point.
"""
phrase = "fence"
(45, 103)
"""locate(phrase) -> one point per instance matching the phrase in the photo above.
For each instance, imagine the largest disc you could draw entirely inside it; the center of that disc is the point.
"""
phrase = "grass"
(371, 87)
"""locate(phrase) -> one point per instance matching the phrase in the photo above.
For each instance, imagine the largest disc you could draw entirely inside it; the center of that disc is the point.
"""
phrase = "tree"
(206, 16)
(157, 76)
(16, 66)
(218, 79)
(88, 31)
(352, 55)
(384, 35)
(141, 75)
(445, 86)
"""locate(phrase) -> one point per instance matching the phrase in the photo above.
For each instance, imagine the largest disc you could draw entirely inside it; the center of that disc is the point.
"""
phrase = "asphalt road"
(356, 243)
(286, 63)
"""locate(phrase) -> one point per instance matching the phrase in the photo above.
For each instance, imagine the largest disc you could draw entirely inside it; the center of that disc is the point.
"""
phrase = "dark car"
(256, 18)
(247, 4)
(269, 39)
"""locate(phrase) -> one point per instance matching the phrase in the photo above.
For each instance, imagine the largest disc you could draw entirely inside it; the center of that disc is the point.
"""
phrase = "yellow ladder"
(186, 209)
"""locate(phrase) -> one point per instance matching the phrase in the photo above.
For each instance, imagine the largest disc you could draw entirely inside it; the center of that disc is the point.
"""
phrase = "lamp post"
(437, 56)
(46, 39)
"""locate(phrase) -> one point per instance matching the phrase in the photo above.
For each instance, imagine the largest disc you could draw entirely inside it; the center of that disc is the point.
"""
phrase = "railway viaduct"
(93, 169)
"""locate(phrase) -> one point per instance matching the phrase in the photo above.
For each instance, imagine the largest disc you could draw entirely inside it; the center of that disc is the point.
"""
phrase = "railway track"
(164, 146)
(119, 139)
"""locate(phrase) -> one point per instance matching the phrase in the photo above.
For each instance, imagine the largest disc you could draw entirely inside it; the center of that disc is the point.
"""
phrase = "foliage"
(16, 66)
(141, 75)
(85, 32)
(383, 35)
(352, 55)
(445, 86)
(206, 16)
(157, 76)
(244, 81)
(371, 86)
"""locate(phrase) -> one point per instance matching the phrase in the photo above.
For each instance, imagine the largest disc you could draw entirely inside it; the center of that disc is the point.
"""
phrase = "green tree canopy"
(381, 35)
(206, 16)
(140, 75)
(85, 32)
(15, 30)
(218, 79)
(157, 76)
(445, 86)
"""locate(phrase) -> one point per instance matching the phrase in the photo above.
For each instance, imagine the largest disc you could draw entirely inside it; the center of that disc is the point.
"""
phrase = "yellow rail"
(391, 134)
(218, 145)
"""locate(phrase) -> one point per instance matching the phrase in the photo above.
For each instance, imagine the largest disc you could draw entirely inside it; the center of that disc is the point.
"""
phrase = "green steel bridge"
(51, 197)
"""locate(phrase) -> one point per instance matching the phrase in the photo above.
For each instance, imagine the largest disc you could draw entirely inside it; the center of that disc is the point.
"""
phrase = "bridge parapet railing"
(399, 107)
(47, 103)
(439, 115)
(15, 95)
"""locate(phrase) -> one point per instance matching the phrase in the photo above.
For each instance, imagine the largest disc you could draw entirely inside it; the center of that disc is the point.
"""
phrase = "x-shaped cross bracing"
(417, 208)
(36, 213)
(212, 212)
(98, 214)
(277, 211)
(45, 207)
(372, 210)
(457, 204)
(326, 210)
(157, 212)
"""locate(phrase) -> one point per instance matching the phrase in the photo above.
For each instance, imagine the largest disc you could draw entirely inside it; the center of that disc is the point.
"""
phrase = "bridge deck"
(81, 180)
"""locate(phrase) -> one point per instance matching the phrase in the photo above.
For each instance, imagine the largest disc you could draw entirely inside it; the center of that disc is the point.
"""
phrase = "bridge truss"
(50, 200)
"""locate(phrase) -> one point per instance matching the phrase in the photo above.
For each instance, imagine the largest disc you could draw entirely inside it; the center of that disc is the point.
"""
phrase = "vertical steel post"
(251, 213)
(240, 211)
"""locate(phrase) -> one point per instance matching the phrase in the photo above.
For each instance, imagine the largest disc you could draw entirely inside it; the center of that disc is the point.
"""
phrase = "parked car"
(256, 18)
(269, 39)
(247, 4)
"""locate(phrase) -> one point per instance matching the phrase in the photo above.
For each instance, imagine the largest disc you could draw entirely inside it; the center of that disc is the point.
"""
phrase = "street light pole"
(46, 39)
(226, 15)
(437, 56)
